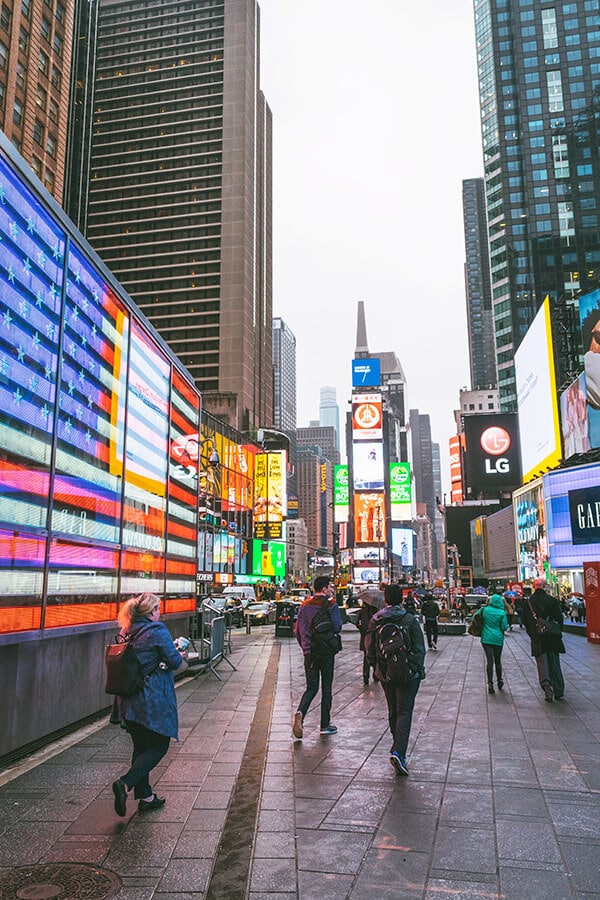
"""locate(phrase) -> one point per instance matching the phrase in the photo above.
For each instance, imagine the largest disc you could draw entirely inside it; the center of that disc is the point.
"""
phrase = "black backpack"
(392, 649)
(123, 671)
(324, 640)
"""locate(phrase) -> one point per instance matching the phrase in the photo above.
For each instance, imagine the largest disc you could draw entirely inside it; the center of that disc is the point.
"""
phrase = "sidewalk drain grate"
(69, 881)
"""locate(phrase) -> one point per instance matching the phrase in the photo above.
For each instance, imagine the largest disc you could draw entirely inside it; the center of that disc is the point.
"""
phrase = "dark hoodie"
(398, 614)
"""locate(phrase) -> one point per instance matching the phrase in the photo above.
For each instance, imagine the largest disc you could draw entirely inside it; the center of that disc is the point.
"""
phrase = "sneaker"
(120, 792)
(548, 694)
(500, 685)
(147, 805)
(297, 726)
(491, 689)
(329, 729)
(398, 763)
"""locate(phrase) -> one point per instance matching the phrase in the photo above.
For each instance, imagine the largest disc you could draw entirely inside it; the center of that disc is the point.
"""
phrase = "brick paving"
(503, 799)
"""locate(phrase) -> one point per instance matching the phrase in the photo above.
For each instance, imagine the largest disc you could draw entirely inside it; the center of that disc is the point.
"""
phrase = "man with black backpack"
(396, 647)
(318, 630)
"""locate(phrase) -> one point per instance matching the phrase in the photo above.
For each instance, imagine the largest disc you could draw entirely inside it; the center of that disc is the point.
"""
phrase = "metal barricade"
(211, 638)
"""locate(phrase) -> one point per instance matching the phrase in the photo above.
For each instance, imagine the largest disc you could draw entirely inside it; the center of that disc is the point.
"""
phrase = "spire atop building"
(361, 331)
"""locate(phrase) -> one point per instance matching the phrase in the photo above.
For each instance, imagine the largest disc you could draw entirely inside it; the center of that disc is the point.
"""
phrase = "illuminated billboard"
(269, 495)
(369, 519)
(341, 495)
(400, 492)
(367, 417)
(367, 575)
(574, 421)
(539, 429)
(573, 508)
(367, 466)
(589, 315)
(403, 546)
(456, 476)
(491, 455)
(268, 559)
(366, 373)
(531, 532)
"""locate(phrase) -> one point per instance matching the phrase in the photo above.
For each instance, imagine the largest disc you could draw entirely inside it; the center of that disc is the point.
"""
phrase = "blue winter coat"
(155, 706)
(495, 622)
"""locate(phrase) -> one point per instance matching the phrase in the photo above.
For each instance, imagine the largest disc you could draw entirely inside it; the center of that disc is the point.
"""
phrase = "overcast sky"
(375, 125)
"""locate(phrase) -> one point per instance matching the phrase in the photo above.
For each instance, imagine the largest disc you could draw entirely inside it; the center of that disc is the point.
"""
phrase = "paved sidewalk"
(503, 799)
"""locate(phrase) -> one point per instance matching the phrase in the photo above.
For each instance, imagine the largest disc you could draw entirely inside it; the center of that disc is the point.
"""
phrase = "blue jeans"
(315, 668)
(149, 747)
(400, 701)
(550, 672)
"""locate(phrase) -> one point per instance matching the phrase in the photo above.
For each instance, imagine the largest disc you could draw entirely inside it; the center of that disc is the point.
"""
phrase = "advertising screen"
(369, 519)
(400, 491)
(341, 494)
(367, 466)
(367, 554)
(367, 417)
(269, 494)
(574, 420)
(366, 373)
(531, 532)
(589, 314)
(268, 558)
(573, 508)
(456, 478)
(539, 429)
(368, 575)
(491, 455)
(403, 546)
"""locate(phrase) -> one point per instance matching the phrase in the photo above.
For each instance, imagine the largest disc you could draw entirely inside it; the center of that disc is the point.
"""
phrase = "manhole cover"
(67, 881)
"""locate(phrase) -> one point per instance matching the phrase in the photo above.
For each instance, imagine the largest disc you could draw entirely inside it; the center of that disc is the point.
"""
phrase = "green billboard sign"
(400, 491)
(341, 495)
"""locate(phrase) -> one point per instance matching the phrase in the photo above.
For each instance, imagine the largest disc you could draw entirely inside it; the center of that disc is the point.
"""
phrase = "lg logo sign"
(495, 441)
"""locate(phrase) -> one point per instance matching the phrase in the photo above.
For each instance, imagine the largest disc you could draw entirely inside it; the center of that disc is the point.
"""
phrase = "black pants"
(493, 656)
(149, 747)
(367, 668)
(431, 630)
(314, 669)
(400, 702)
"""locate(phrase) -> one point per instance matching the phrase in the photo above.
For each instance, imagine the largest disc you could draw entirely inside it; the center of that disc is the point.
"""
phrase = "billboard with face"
(589, 314)
(574, 418)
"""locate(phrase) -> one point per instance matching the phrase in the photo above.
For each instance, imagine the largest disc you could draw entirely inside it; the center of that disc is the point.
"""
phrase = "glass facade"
(97, 498)
(539, 86)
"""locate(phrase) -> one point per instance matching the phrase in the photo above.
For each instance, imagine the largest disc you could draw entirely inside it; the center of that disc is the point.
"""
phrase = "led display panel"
(341, 494)
(573, 508)
(367, 417)
(32, 248)
(589, 315)
(367, 466)
(367, 575)
(82, 584)
(531, 532)
(400, 491)
(403, 546)
(539, 428)
(366, 372)
(269, 494)
(369, 518)
(268, 559)
(22, 559)
(574, 421)
(491, 457)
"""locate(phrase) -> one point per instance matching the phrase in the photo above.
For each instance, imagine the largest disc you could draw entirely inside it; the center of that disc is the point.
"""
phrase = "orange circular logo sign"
(367, 415)
(495, 440)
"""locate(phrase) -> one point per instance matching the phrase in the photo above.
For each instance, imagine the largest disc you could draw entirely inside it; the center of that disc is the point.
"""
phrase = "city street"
(503, 798)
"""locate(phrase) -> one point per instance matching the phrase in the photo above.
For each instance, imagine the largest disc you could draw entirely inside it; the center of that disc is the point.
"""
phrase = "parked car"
(231, 607)
(260, 613)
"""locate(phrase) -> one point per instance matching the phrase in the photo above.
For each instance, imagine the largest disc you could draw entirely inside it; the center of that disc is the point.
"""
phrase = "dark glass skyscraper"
(539, 86)
(180, 198)
(480, 319)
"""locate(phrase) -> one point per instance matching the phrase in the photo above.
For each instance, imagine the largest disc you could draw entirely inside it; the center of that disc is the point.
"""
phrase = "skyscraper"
(284, 375)
(180, 195)
(539, 79)
(35, 71)
(329, 411)
(480, 320)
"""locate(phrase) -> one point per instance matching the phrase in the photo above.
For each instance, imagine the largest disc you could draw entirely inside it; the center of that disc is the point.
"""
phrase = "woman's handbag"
(545, 626)
(476, 625)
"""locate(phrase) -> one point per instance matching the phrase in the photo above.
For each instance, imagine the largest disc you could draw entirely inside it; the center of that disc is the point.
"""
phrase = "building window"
(5, 17)
(56, 78)
(38, 132)
(46, 29)
(18, 112)
(49, 180)
(58, 45)
(53, 111)
(44, 63)
(26, 8)
(21, 76)
(60, 12)
(3, 54)
(2, 93)
(51, 146)
(42, 97)
(23, 39)
(36, 165)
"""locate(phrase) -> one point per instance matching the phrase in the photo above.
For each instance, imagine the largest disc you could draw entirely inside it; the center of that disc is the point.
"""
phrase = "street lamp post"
(378, 536)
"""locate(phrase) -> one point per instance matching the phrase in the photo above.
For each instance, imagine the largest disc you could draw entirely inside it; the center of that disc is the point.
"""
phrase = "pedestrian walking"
(318, 662)
(399, 694)
(149, 715)
(495, 623)
(430, 612)
(520, 610)
(369, 606)
(546, 646)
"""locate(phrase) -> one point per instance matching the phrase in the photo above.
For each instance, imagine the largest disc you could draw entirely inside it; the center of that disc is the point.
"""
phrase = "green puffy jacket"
(495, 622)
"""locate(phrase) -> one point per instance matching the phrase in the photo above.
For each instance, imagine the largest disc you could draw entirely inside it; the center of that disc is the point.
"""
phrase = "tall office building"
(284, 375)
(480, 319)
(539, 74)
(329, 411)
(322, 439)
(35, 71)
(180, 191)
(422, 455)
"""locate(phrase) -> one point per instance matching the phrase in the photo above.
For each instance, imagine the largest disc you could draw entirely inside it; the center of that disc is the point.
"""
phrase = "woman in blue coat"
(150, 715)
(495, 623)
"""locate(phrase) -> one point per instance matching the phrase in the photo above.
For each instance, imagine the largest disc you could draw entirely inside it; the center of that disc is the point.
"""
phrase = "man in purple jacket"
(316, 666)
